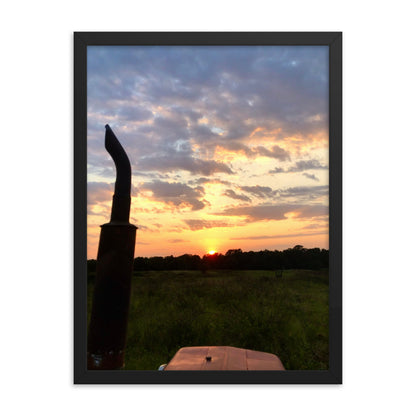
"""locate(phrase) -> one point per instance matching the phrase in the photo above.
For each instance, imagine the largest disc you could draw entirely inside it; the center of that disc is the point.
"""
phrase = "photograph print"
(207, 230)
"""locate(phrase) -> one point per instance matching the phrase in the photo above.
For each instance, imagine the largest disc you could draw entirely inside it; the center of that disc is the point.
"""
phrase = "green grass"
(245, 309)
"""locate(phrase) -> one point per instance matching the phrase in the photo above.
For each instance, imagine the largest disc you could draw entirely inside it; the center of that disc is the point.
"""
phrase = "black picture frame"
(331, 39)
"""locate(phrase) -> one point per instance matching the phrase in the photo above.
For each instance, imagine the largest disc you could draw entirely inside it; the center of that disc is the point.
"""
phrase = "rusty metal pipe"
(108, 324)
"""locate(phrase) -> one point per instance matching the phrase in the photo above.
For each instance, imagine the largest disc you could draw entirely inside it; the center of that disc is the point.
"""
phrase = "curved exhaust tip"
(123, 167)
(121, 200)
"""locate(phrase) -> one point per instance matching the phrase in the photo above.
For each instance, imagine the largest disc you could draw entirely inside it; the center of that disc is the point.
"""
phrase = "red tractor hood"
(223, 358)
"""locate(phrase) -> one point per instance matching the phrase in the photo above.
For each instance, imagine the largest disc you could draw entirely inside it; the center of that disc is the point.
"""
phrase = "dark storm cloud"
(231, 194)
(275, 212)
(176, 194)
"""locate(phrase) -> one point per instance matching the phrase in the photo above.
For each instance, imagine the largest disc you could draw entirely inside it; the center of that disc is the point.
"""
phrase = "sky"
(228, 145)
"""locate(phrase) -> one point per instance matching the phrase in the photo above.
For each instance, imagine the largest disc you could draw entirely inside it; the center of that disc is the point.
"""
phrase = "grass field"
(246, 309)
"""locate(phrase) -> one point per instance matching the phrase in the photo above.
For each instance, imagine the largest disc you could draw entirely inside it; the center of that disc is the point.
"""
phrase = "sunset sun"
(211, 252)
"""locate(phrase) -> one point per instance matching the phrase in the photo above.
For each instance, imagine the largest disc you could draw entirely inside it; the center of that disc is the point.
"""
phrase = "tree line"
(297, 257)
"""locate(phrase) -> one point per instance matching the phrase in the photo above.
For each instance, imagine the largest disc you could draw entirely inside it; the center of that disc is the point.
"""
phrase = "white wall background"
(36, 269)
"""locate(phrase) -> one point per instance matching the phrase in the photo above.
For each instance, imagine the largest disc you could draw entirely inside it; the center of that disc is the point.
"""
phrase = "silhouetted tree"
(297, 257)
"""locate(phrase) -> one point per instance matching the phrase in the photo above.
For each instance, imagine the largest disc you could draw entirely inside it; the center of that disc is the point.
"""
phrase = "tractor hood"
(223, 358)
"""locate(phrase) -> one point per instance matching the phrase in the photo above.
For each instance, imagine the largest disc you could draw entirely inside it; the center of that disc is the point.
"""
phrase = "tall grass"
(246, 309)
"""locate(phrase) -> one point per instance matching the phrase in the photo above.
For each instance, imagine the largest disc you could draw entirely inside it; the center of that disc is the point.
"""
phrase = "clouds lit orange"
(228, 146)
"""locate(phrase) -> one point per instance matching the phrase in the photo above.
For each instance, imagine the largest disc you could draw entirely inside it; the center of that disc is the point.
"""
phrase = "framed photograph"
(208, 208)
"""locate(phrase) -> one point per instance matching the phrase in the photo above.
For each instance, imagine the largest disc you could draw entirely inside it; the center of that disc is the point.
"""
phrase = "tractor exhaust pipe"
(108, 324)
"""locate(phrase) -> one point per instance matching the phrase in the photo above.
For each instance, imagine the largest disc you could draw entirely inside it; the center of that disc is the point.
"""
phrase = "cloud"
(205, 180)
(176, 194)
(309, 192)
(143, 228)
(202, 133)
(177, 240)
(157, 95)
(259, 191)
(265, 237)
(310, 176)
(195, 224)
(133, 113)
(231, 194)
(190, 164)
(277, 170)
(171, 128)
(104, 172)
(275, 212)
(99, 192)
(302, 165)
(318, 224)
(276, 152)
